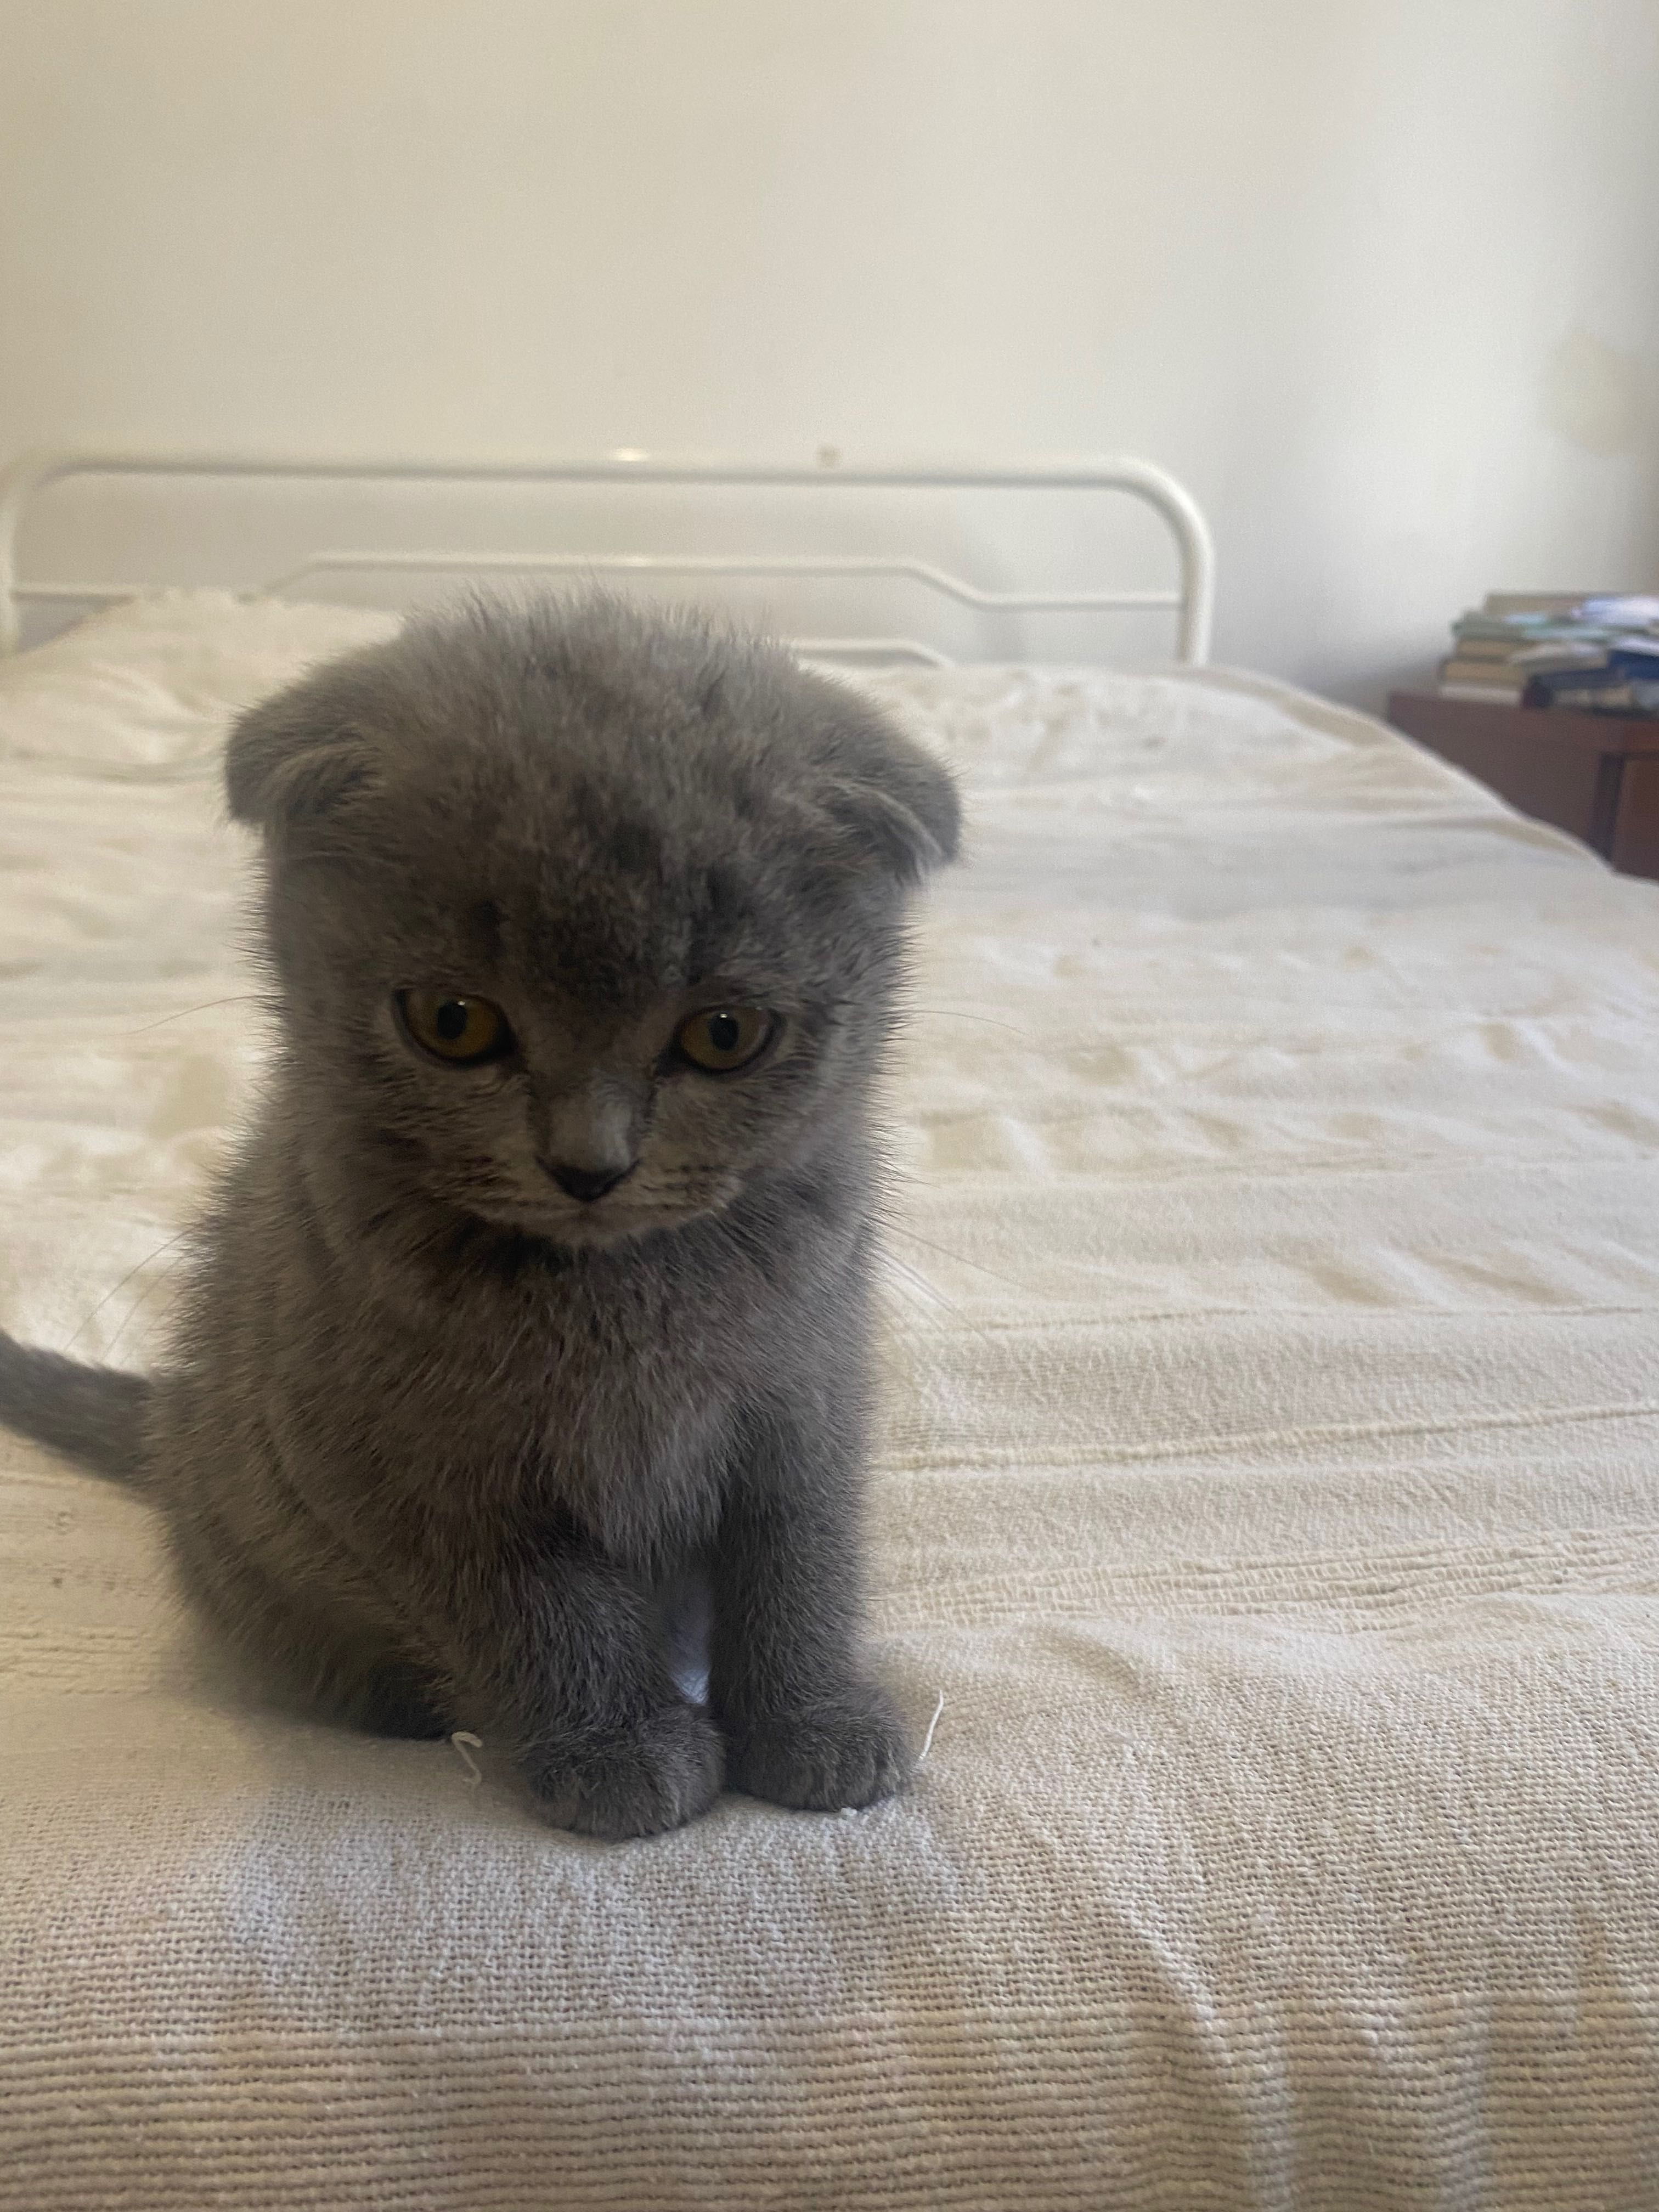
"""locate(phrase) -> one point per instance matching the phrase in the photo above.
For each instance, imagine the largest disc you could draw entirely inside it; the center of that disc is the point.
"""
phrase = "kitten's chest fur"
(633, 1390)
(608, 1388)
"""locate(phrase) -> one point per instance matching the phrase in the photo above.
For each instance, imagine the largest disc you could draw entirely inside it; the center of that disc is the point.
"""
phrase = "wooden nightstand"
(1595, 775)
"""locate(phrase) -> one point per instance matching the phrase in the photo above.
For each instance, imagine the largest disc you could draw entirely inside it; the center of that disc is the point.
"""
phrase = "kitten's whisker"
(902, 1279)
(163, 1281)
(960, 1014)
(237, 999)
(936, 1295)
(147, 1260)
(961, 1258)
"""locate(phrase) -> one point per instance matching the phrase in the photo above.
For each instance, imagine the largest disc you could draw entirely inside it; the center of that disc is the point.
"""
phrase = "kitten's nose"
(587, 1183)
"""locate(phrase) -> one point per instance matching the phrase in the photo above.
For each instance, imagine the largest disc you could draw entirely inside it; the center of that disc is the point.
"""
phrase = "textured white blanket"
(1270, 1484)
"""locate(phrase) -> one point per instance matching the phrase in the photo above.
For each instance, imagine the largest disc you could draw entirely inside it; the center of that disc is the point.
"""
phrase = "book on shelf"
(1536, 602)
(1499, 678)
(1628, 683)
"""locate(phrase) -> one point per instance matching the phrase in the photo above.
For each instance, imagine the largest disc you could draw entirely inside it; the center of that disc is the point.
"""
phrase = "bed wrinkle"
(1286, 1439)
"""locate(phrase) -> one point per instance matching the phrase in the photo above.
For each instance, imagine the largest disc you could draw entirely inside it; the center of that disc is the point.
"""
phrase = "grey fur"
(435, 1436)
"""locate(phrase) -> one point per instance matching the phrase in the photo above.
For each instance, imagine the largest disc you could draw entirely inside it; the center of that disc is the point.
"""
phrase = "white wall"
(1377, 277)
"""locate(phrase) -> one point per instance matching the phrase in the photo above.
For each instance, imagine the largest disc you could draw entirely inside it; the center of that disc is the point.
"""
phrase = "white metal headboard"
(23, 483)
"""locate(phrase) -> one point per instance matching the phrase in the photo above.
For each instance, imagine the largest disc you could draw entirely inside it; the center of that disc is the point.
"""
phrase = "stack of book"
(1584, 649)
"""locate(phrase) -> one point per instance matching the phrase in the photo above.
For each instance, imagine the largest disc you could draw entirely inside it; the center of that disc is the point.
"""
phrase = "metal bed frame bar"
(24, 483)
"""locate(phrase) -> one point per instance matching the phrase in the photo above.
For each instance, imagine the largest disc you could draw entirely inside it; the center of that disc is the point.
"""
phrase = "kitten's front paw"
(659, 1775)
(843, 1750)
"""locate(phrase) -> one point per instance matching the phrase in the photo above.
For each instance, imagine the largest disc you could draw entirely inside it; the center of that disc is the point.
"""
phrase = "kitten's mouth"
(607, 1221)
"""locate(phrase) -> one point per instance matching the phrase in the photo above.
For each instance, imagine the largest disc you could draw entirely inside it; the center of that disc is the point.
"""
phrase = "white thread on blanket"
(460, 1741)
(852, 1812)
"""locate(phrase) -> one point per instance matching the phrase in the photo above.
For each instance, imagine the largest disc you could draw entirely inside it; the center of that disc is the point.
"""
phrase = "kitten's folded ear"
(898, 801)
(296, 758)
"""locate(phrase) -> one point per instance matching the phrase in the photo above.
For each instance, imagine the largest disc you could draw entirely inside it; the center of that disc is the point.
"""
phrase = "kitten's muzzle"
(587, 1183)
(586, 1137)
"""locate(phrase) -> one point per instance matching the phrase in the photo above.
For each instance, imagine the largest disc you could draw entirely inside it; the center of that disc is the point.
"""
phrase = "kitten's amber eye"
(461, 1031)
(722, 1039)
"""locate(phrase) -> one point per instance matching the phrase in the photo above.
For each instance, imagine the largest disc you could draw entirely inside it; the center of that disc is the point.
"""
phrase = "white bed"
(1269, 1485)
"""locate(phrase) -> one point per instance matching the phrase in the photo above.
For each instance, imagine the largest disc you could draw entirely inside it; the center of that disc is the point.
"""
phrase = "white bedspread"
(1270, 1484)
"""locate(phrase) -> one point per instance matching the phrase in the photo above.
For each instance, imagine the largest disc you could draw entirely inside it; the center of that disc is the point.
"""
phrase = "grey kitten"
(542, 1284)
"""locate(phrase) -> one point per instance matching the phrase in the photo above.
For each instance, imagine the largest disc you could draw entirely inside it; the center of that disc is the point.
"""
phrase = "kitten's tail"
(91, 1414)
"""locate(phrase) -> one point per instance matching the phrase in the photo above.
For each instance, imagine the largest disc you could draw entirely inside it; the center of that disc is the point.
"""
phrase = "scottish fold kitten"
(541, 1284)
